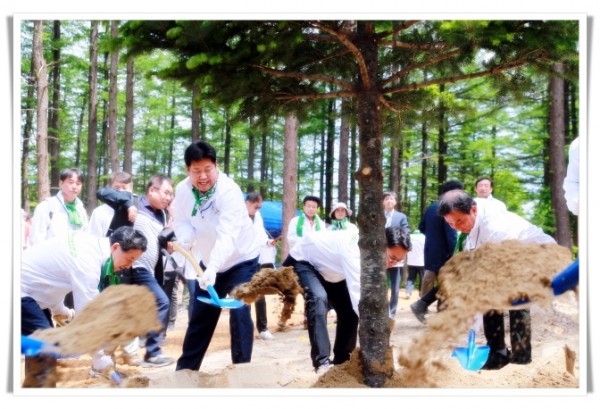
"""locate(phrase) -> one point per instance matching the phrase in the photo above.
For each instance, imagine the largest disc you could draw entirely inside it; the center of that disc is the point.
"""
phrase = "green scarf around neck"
(201, 198)
(108, 276)
(341, 224)
(74, 217)
(300, 225)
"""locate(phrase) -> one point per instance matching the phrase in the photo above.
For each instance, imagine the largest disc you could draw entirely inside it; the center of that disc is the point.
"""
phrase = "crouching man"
(328, 268)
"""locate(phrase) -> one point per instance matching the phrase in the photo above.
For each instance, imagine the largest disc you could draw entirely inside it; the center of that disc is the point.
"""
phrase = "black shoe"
(496, 360)
(419, 308)
(521, 358)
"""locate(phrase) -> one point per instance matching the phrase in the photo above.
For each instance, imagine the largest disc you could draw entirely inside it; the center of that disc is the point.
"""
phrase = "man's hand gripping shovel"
(214, 299)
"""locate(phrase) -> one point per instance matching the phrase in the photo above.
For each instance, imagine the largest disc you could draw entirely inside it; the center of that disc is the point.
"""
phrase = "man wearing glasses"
(151, 220)
(328, 268)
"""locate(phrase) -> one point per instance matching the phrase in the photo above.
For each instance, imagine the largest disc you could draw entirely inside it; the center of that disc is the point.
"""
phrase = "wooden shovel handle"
(189, 258)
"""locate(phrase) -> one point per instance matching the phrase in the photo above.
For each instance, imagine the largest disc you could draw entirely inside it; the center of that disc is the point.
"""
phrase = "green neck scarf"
(340, 224)
(108, 276)
(460, 242)
(201, 198)
(300, 225)
(74, 217)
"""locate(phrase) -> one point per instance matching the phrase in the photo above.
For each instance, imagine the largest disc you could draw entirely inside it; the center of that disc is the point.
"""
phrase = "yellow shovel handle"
(189, 258)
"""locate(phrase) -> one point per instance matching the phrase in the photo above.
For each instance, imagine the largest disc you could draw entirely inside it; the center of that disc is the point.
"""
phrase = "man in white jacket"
(72, 263)
(210, 210)
(328, 268)
(487, 224)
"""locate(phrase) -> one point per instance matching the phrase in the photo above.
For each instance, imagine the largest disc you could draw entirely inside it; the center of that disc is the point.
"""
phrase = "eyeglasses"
(167, 193)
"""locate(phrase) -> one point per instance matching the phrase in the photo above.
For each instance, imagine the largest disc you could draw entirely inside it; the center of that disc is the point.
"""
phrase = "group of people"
(124, 243)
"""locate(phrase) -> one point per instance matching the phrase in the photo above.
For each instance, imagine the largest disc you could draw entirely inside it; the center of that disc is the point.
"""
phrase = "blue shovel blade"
(562, 282)
(220, 302)
(32, 347)
(472, 357)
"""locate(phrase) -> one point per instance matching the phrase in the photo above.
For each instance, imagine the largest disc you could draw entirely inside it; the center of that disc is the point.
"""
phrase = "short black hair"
(451, 185)
(67, 173)
(129, 238)
(310, 198)
(458, 200)
(199, 150)
(397, 236)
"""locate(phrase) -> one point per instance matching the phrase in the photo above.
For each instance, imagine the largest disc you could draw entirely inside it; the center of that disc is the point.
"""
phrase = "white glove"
(63, 319)
(208, 278)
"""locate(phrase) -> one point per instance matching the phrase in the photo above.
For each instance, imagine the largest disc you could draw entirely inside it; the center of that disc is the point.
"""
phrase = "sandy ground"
(285, 363)
(421, 352)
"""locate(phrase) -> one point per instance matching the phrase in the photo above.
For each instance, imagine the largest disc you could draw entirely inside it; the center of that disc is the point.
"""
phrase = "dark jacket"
(120, 201)
(440, 239)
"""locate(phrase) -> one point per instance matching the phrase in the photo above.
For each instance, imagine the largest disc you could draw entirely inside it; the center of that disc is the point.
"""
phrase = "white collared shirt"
(335, 255)
(221, 231)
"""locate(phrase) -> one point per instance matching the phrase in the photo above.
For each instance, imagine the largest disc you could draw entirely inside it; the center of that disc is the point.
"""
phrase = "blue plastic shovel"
(32, 347)
(472, 357)
(214, 299)
(562, 282)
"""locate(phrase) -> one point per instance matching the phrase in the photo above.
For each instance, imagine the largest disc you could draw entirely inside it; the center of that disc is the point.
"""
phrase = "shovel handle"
(189, 258)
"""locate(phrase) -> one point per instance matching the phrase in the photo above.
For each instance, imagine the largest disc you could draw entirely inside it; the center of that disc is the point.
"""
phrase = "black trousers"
(520, 331)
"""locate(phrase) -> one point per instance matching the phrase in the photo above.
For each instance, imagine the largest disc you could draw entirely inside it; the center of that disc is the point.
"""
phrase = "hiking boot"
(497, 360)
(419, 308)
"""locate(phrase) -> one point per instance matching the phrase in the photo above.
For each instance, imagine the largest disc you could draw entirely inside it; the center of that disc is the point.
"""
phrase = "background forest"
(340, 109)
(118, 98)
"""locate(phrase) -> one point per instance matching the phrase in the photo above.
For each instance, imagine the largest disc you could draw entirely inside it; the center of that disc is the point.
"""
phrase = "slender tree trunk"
(290, 177)
(442, 144)
(556, 155)
(424, 162)
(343, 154)
(171, 142)
(353, 165)
(329, 156)
(196, 113)
(41, 76)
(26, 143)
(374, 328)
(54, 125)
(251, 155)
(227, 155)
(129, 109)
(112, 102)
(92, 141)
(264, 160)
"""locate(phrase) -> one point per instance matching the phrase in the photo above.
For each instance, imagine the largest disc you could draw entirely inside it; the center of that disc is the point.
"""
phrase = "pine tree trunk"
(374, 330)
(39, 64)
(112, 102)
(290, 177)
(556, 156)
(92, 141)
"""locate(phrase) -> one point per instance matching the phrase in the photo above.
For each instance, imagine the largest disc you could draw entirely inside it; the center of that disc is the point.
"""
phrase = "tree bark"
(343, 153)
(41, 76)
(93, 120)
(54, 125)
(556, 155)
(129, 110)
(374, 329)
(112, 101)
(290, 177)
